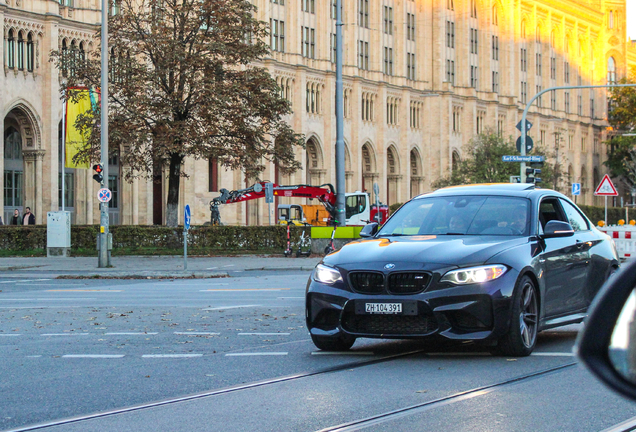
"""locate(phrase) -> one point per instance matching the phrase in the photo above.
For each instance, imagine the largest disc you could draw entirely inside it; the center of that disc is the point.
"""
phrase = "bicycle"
(331, 246)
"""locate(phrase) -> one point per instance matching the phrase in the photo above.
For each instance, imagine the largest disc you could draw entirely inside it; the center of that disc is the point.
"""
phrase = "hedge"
(201, 239)
(138, 239)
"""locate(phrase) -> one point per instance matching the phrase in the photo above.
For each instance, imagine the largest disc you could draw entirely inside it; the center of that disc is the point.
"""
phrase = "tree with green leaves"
(183, 83)
(482, 162)
(621, 158)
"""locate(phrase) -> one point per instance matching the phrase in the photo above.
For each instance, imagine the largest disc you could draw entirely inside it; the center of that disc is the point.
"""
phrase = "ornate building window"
(30, 55)
(20, 51)
(10, 49)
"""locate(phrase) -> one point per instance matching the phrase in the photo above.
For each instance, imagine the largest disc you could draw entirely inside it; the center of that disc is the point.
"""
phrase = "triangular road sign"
(606, 187)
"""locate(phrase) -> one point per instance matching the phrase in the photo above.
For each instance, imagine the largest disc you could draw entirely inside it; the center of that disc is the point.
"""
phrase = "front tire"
(335, 343)
(522, 335)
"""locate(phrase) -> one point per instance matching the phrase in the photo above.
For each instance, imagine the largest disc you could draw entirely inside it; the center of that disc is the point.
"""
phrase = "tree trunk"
(174, 178)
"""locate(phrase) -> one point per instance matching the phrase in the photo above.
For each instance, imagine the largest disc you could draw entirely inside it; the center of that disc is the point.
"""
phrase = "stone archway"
(314, 168)
(23, 158)
(415, 163)
(393, 175)
(369, 169)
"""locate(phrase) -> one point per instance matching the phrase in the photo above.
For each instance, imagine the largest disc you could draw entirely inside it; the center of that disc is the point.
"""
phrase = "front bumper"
(470, 312)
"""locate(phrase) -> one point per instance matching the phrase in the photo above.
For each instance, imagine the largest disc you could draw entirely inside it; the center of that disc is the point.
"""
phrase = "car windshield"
(461, 215)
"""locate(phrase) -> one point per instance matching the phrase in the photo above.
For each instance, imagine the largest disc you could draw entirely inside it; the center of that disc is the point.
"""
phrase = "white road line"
(230, 307)
(211, 268)
(131, 334)
(244, 289)
(229, 265)
(93, 356)
(284, 298)
(263, 334)
(553, 354)
(171, 355)
(9, 335)
(218, 284)
(362, 353)
(196, 333)
(64, 334)
(34, 356)
(256, 354)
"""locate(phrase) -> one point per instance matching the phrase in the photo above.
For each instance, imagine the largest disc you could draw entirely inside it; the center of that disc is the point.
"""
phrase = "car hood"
(422, 251)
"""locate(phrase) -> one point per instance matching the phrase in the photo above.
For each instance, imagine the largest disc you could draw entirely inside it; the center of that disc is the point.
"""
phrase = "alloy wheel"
(528, 315)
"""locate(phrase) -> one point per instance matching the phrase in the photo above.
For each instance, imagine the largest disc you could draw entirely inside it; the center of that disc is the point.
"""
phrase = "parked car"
(493, 263)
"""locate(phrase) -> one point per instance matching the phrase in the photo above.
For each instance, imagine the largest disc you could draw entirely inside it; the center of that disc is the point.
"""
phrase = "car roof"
(502, 189)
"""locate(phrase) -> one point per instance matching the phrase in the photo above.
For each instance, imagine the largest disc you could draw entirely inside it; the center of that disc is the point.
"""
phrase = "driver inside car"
(519, 219)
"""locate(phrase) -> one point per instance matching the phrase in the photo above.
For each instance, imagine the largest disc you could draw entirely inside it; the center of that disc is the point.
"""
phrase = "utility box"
(58, 234)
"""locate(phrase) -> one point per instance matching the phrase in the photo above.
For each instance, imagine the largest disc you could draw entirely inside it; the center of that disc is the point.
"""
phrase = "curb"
(147, 275)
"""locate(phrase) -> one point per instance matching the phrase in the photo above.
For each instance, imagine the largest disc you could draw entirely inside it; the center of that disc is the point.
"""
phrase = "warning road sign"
(606, 188)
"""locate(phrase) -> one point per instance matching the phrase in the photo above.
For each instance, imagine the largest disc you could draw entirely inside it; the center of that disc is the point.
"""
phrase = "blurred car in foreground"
(489, 263)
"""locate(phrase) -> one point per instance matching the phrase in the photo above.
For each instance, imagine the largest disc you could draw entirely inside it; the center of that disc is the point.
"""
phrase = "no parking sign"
(104, 195)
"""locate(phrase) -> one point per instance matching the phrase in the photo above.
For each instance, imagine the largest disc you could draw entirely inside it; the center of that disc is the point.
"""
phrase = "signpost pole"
(185, 248)
(103, 260)
(605, 210)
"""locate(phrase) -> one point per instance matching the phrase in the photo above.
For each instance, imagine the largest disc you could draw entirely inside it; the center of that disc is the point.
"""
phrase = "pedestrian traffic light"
(532, 173)
(99, 173)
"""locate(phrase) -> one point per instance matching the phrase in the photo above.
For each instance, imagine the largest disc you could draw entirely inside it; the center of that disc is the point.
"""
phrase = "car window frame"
(576, 208)
(559, 209)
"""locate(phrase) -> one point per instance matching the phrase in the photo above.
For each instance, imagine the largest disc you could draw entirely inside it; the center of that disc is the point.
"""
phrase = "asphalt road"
(233, 354)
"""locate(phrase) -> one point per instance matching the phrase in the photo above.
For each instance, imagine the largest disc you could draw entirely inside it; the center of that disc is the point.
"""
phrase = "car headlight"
(475, 274)
(327, 275)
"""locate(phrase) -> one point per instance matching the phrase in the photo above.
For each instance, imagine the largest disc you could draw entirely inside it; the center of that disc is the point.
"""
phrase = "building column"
(32, 184)
(39, 208)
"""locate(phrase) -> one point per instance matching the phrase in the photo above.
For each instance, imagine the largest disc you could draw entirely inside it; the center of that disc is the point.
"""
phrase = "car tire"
(335, 343)
(522, 335)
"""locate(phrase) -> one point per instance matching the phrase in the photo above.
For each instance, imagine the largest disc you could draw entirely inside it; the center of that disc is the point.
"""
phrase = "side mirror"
(607, 343)
(557, 229)
(369, 230)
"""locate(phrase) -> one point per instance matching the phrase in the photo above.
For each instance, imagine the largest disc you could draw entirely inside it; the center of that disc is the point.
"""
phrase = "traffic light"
(532, 173)
(99, 173)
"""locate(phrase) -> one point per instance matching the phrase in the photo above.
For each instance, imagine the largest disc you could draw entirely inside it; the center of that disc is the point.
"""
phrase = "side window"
(549, 210)
(577, 221)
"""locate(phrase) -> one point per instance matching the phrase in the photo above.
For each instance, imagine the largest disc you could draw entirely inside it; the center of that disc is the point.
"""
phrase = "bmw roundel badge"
(389, 266)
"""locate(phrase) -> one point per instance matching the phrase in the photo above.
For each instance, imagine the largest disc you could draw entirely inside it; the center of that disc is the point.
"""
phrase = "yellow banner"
(75, 141)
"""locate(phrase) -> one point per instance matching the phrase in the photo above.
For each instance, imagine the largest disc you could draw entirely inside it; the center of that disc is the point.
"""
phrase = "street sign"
(576, 188)
(186, 217)
(529, 144)
(376, 189)
(514, 158)
(528, 126)
(104, 195)
(269, 193)
(606, 187)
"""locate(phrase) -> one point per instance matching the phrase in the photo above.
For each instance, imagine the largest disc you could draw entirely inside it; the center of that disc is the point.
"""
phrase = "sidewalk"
(150, 266)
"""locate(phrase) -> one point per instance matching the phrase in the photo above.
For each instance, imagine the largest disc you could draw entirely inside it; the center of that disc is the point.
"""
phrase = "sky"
(631, 19)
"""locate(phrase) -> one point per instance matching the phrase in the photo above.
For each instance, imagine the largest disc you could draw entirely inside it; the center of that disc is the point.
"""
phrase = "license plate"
(383, 308)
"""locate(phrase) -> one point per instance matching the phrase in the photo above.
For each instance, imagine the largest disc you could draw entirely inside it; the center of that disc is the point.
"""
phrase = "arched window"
(20, 51)
(611, 71)
(523, 29)
(611, 19)
(495, 18)
(13, 168)
(82, 53)
(29, 53)
(10, 50)
(64, 59)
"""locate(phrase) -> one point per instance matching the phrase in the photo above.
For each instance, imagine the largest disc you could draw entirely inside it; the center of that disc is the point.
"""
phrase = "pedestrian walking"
(29, 218)
(15, 220)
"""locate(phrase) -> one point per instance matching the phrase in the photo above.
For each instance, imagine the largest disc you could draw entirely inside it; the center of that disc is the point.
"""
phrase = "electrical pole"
(103, 260)
(340, 150)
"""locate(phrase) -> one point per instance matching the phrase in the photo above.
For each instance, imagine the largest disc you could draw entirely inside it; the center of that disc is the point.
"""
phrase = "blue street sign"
(186, 217)
(576, 188)
(513, 158)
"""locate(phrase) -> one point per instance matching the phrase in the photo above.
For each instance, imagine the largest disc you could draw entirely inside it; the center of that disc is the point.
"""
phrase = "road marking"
(131, 334)
(230, 307)
(34, 356)
(627, 425)
(362, 353)
(283, 298)
(553, 354)
(171, 355)
(64, 334)
(263, 334)
(247, 289)
(22, 280)
(8, 335)
(83, 290)
(211, 268)
(256, 354)
(229, 265)
(93, 356)
(197, 333)
(48, 299)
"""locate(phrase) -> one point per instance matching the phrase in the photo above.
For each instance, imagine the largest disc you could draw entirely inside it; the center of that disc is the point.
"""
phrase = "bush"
(133, 239)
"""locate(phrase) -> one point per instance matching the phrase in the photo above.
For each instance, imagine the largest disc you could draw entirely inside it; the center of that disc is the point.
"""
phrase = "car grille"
(367, 282)
(408, 283)
(389, 325)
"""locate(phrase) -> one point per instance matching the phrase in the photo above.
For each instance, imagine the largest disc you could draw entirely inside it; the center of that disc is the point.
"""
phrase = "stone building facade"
(421, 78)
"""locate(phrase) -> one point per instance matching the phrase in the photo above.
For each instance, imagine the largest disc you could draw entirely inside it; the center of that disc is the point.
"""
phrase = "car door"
(563, 263)
(594, 267)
